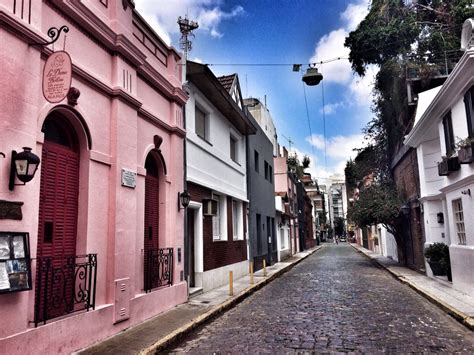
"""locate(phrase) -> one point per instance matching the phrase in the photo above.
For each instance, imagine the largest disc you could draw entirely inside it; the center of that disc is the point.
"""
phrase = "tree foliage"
(377, 204)
(398, 36)
(395, 28)
(297, 166)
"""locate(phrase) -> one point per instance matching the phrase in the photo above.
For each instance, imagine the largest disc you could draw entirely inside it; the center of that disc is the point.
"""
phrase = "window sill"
(204, 140)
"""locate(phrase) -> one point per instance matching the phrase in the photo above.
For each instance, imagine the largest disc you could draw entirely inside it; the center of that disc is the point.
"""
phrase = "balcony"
(64, 285)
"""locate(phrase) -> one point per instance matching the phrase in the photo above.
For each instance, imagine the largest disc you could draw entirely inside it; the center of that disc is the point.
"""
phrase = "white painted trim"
(198, 237)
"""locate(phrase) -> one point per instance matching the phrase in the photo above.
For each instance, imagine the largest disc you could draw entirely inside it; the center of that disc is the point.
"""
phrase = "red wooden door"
(151, 232)
(58, 202)
(57, 229)
(152, 196)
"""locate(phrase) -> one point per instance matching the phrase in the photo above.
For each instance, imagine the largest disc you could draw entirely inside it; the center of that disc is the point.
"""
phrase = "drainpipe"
(249, 246)
(185, 187)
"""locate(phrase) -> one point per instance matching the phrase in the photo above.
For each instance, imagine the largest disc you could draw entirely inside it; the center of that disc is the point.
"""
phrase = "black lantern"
(23, 166)
(405, 209)
(312, 77)
(183, 199)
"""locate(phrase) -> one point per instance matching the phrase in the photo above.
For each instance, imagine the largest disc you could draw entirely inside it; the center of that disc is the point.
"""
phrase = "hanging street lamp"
(312, 77)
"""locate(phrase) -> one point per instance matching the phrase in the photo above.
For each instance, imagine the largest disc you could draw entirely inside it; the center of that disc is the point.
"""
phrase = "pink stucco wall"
(122, 117)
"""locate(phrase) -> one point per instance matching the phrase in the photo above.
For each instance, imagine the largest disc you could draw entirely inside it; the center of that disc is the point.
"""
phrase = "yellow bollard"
(264, 267)
(231, 285)
(251, 272)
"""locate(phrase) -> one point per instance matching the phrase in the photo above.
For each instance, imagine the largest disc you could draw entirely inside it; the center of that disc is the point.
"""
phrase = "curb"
(165, 342)
(462, 318)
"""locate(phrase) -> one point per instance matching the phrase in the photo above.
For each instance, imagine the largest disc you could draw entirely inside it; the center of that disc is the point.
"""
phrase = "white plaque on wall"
(129, 178)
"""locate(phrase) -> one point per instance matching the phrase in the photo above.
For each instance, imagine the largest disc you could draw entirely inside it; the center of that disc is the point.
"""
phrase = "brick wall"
(407, 180)
(219, 253)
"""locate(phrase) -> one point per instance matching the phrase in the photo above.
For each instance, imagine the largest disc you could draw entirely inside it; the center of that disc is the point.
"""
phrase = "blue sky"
(283, 32)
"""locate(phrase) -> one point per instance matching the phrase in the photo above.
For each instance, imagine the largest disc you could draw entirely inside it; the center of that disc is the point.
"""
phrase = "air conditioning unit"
(210, 207)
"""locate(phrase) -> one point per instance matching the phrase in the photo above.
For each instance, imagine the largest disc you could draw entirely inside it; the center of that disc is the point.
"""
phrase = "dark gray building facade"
(261, 195)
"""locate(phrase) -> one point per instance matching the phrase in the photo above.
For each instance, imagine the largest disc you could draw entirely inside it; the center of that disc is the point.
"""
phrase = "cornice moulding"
(151, 117)
(20, 28)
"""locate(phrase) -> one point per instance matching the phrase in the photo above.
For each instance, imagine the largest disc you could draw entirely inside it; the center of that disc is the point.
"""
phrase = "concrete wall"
(115, 121)
(261, 195)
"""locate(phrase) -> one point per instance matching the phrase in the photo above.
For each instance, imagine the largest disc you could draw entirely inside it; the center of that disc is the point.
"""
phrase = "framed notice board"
(15, 264)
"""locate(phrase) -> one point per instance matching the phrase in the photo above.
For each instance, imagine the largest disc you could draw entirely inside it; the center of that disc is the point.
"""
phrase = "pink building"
(285, 187)
(99, 223)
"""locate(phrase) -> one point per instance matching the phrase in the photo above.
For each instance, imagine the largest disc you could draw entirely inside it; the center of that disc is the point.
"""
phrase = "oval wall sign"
(57, 75)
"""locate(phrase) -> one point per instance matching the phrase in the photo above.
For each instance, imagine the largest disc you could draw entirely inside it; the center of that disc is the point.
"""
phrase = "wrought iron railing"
(64, 285)
(158, 270)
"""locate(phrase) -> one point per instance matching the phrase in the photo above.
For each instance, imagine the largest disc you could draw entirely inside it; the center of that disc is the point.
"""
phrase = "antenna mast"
(290, 142)
(186, 27)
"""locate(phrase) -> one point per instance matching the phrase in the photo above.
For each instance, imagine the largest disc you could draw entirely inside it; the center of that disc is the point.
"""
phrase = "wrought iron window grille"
(158, 268)
(64, 285)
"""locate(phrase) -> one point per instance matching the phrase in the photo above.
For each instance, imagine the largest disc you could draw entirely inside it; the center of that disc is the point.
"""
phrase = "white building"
(445, 115)
(216, 165)
(262, 115)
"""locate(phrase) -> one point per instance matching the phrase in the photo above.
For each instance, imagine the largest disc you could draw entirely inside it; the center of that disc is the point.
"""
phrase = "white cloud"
(331, 46)
(354, 14)
(316, 140)
(329, 109)
(197, 60)
(361, 87)
(163, 17)
(338, 147)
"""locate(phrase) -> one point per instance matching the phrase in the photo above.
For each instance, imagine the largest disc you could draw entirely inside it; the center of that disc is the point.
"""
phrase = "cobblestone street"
(335, 300)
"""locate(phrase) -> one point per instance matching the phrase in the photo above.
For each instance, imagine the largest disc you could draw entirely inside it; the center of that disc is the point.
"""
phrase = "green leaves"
(377, 204)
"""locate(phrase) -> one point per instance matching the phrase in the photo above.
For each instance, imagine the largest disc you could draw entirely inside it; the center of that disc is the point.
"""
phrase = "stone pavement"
(334, 301)
(440, 292)
(158, 332)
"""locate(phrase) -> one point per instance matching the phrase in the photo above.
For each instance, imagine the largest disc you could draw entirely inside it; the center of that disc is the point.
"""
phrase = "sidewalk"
(157, 333)
(459, 305)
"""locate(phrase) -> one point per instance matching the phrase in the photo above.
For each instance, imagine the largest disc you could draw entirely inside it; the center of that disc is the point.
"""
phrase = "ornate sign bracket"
(54, 34)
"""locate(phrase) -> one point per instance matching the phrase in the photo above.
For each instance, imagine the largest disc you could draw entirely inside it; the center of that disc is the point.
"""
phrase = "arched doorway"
(152, 198)
(57, 225)
(152, 218)
(158, 260)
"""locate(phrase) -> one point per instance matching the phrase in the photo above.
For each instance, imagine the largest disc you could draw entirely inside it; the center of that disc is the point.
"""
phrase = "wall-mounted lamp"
(466, 192)
(280, 225)
(183, 199)
(23, 166)
(405, 209)
(440, 217)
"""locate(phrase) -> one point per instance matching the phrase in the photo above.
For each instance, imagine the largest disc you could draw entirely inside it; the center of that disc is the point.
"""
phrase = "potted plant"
(437, 255)
(448, 165)
(466, 150)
